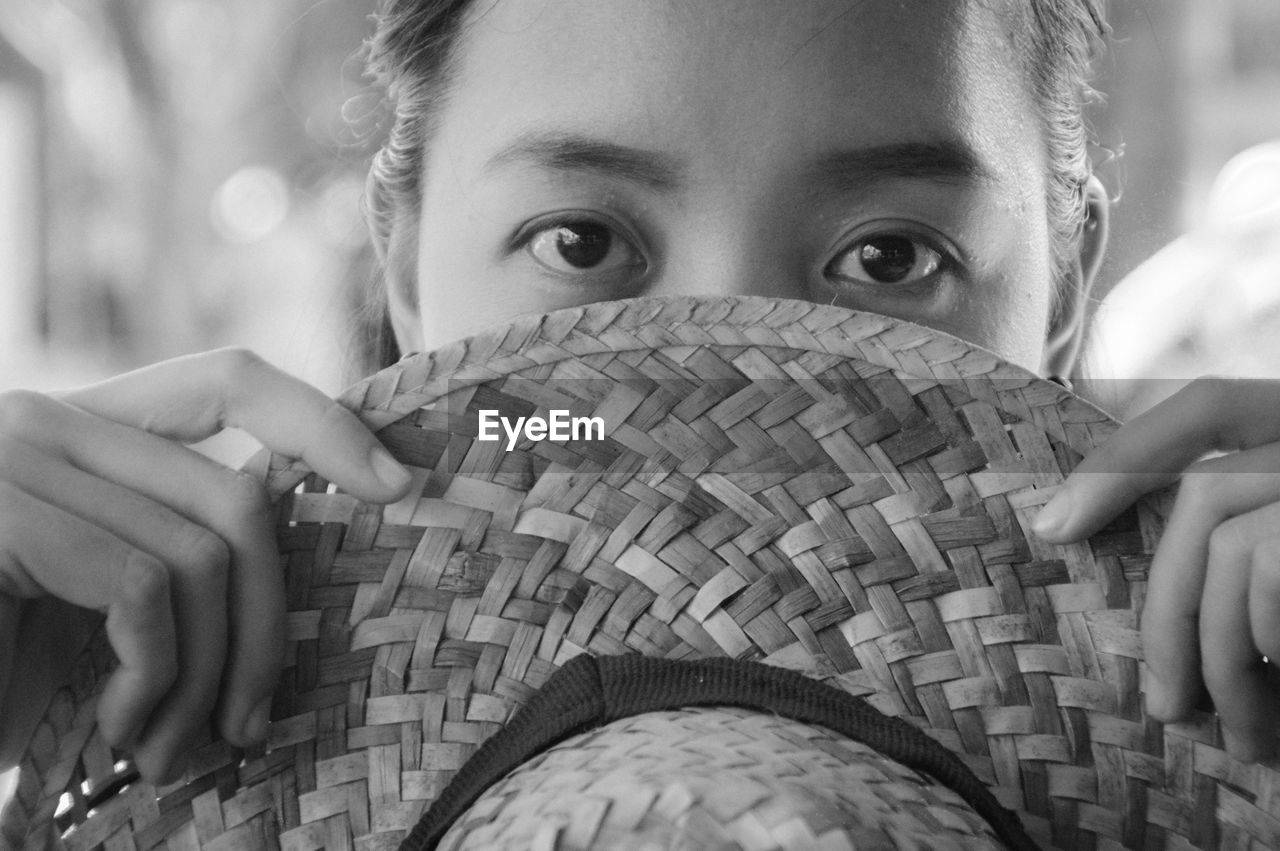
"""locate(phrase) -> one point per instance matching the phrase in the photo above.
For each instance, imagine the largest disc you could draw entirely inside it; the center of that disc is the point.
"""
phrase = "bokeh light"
(250, 205)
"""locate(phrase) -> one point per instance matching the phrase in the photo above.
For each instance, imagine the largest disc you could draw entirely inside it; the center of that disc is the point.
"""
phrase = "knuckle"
(1230, 540)
(23, 410)
(335, 416)
(145, 587)
(1201, 489)
(247, 498)
(1210, 390)
(232, 364)
(1221, 396)
(205, 556)
(145, 583)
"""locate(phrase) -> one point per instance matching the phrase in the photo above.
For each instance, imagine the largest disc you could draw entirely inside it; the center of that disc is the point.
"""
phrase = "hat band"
(589, 692)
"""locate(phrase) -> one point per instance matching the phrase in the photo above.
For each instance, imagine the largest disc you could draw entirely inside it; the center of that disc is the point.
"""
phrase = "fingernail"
(255, 726)
(174, 772)
(1053, 518)
(388, 470)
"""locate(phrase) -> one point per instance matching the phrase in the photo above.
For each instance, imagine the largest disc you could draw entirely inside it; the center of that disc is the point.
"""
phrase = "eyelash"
(526, 237)
(950, 260)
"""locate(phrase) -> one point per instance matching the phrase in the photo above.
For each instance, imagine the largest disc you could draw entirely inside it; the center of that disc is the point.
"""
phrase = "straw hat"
(831, 493)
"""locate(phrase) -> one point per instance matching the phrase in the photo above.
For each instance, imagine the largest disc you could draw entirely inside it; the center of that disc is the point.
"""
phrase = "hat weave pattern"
(716, 778)
(842, 494)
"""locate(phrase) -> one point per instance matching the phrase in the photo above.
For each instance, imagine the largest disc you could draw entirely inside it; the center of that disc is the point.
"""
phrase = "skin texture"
(755, 127)
(741, 105)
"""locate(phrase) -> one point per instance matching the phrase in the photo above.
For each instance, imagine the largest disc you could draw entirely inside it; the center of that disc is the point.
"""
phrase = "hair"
(411, 57)
(1059, 49)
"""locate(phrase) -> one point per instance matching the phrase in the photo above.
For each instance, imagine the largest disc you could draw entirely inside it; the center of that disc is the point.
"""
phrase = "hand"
(100, 507)
(1213, 601)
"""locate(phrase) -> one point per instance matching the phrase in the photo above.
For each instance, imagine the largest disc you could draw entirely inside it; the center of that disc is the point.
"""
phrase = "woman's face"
(880, 155)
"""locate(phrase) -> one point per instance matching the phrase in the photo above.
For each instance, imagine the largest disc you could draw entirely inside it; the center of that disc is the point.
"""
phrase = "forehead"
(738, 73)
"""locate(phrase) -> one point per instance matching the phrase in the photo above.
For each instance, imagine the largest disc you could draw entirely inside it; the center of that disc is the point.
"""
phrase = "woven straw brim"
(837, 493)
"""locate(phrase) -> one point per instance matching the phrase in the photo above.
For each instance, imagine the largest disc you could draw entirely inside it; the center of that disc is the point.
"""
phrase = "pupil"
(888, 258)
(583, 245)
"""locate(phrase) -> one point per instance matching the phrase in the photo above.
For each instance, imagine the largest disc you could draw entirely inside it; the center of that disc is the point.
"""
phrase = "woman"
(922, 160)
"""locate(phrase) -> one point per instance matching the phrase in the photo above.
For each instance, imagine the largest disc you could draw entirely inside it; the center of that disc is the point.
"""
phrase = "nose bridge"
(722, 253)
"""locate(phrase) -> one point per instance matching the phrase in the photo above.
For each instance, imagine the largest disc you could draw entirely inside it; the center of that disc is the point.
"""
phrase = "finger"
(200, 563)
(1151, 451)
(139, 621)
(1243, 690)
(1211, 492)
(1264, 596)
(209, 523)
(44, 550)
(191, 398)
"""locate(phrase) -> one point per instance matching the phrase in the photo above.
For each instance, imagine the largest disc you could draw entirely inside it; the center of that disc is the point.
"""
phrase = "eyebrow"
(570, 152)
(945, 161)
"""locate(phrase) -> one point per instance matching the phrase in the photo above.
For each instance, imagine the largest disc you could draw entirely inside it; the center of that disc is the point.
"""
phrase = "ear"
(400, 268)
(1065, 335)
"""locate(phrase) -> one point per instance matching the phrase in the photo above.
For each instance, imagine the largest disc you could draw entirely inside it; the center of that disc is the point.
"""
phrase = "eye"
(578, 246)
(887, 259)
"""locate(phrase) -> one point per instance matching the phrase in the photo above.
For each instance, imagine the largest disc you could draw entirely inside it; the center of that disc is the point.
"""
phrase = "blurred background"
(179, 175)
